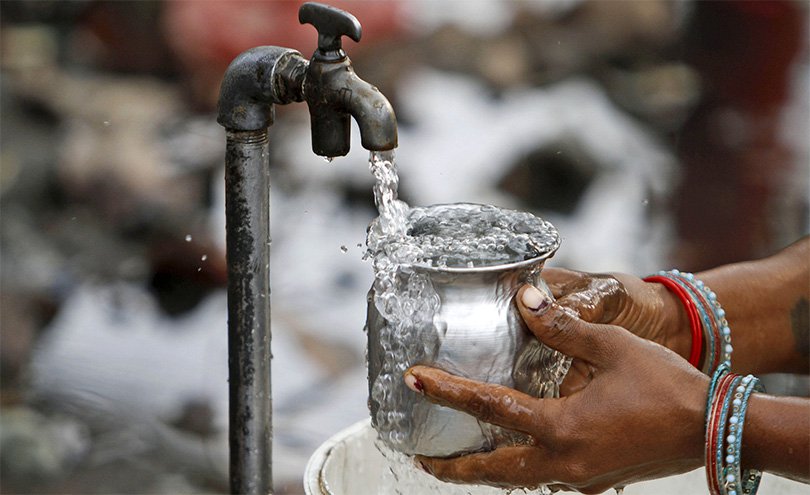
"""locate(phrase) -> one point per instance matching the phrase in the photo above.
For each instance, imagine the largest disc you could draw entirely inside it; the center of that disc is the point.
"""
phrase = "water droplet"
(106, 123)
(344, 248)
(199, 268)
(645, 202)
(204, 257)
(188, 237)
(328, 159)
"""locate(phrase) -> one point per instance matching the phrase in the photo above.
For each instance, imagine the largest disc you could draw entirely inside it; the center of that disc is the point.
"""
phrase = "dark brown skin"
(632, 409)
(766, 306)
(766, 303)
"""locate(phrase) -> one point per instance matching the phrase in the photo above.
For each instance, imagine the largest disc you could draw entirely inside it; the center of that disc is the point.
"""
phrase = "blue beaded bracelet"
(721, 371)
(726, 407)
(742, 483)
(722, 470)
(716, 331)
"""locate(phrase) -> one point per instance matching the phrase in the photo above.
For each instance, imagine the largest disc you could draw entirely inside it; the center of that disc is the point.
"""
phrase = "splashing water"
(454, 235)
(402, 477)
(444, 236)
(468, 235)
(391, 225)
(405, 300)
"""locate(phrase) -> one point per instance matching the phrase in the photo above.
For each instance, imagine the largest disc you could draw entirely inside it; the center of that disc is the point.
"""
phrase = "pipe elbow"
(254, 81)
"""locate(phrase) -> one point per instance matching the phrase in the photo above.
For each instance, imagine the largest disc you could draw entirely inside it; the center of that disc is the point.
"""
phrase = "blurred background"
(653, 134)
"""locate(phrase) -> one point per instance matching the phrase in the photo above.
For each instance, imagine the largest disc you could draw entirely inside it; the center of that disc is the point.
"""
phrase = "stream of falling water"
(399, 238)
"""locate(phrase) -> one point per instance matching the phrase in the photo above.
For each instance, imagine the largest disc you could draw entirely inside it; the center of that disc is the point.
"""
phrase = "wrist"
(676, 331)
(726, 412)
(777, 436)
(694, 419)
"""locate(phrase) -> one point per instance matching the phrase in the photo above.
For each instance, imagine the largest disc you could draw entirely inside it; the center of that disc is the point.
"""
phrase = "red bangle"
(713, 440)
(691, 310)
(715, 358)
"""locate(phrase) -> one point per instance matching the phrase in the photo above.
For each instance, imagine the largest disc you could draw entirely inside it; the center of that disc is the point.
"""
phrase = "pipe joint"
(254, 81)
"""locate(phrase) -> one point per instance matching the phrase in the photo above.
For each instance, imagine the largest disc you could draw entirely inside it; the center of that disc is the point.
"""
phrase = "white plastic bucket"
(345, 464)
(350, 464)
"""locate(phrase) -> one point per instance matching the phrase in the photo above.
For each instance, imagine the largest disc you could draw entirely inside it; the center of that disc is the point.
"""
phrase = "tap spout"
(254, 81)
(374, 115)
(333, 93)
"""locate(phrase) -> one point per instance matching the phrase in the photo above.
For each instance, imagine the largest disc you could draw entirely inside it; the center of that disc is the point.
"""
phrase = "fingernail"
(535, 299)
(413, 383)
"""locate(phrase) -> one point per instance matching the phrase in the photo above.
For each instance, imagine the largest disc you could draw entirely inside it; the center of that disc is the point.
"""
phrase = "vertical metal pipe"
(247, 212)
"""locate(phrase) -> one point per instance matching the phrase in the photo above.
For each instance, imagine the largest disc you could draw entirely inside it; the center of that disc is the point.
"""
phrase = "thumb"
(559, 328)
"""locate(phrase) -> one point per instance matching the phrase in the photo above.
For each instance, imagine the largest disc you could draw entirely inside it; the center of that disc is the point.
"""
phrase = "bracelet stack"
(711, 335)
(725, 417)
(728, 392)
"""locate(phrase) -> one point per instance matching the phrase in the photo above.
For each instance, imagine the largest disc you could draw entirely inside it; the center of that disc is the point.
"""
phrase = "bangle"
(737, 482)
(716, 316)
(722, 370)
(719, 325)
(691, 311)
(711, 318)
(718, 383)
(726, 406)
(714, 432)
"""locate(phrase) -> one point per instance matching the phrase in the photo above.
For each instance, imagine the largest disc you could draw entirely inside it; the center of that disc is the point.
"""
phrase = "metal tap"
(267, 75)
(255, 81)
(333, 91)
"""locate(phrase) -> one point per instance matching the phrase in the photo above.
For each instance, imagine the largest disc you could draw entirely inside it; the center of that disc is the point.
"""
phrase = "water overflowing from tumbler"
(445, 276)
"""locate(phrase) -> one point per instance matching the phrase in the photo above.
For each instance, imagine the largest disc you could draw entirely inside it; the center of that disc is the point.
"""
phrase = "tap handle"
(331, 23)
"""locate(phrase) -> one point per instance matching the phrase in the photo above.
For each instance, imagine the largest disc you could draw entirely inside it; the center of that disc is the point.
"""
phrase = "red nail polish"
(541, 307)
(414, 383)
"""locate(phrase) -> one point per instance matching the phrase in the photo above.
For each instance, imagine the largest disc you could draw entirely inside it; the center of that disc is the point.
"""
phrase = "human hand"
(648, 310)
(639, 417)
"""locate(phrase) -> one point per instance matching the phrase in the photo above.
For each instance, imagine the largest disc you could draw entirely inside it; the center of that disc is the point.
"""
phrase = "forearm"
(766, 304)
(776, 437)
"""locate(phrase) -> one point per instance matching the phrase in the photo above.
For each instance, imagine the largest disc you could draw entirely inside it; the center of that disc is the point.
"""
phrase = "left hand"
(639, 417)
(648, 310)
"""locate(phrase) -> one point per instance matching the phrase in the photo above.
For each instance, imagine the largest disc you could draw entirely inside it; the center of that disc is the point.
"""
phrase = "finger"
(558, 328)
(490, 403)
(595, 298)
(559, 280)
(587, 304)
(577, 378)
(506, 467)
